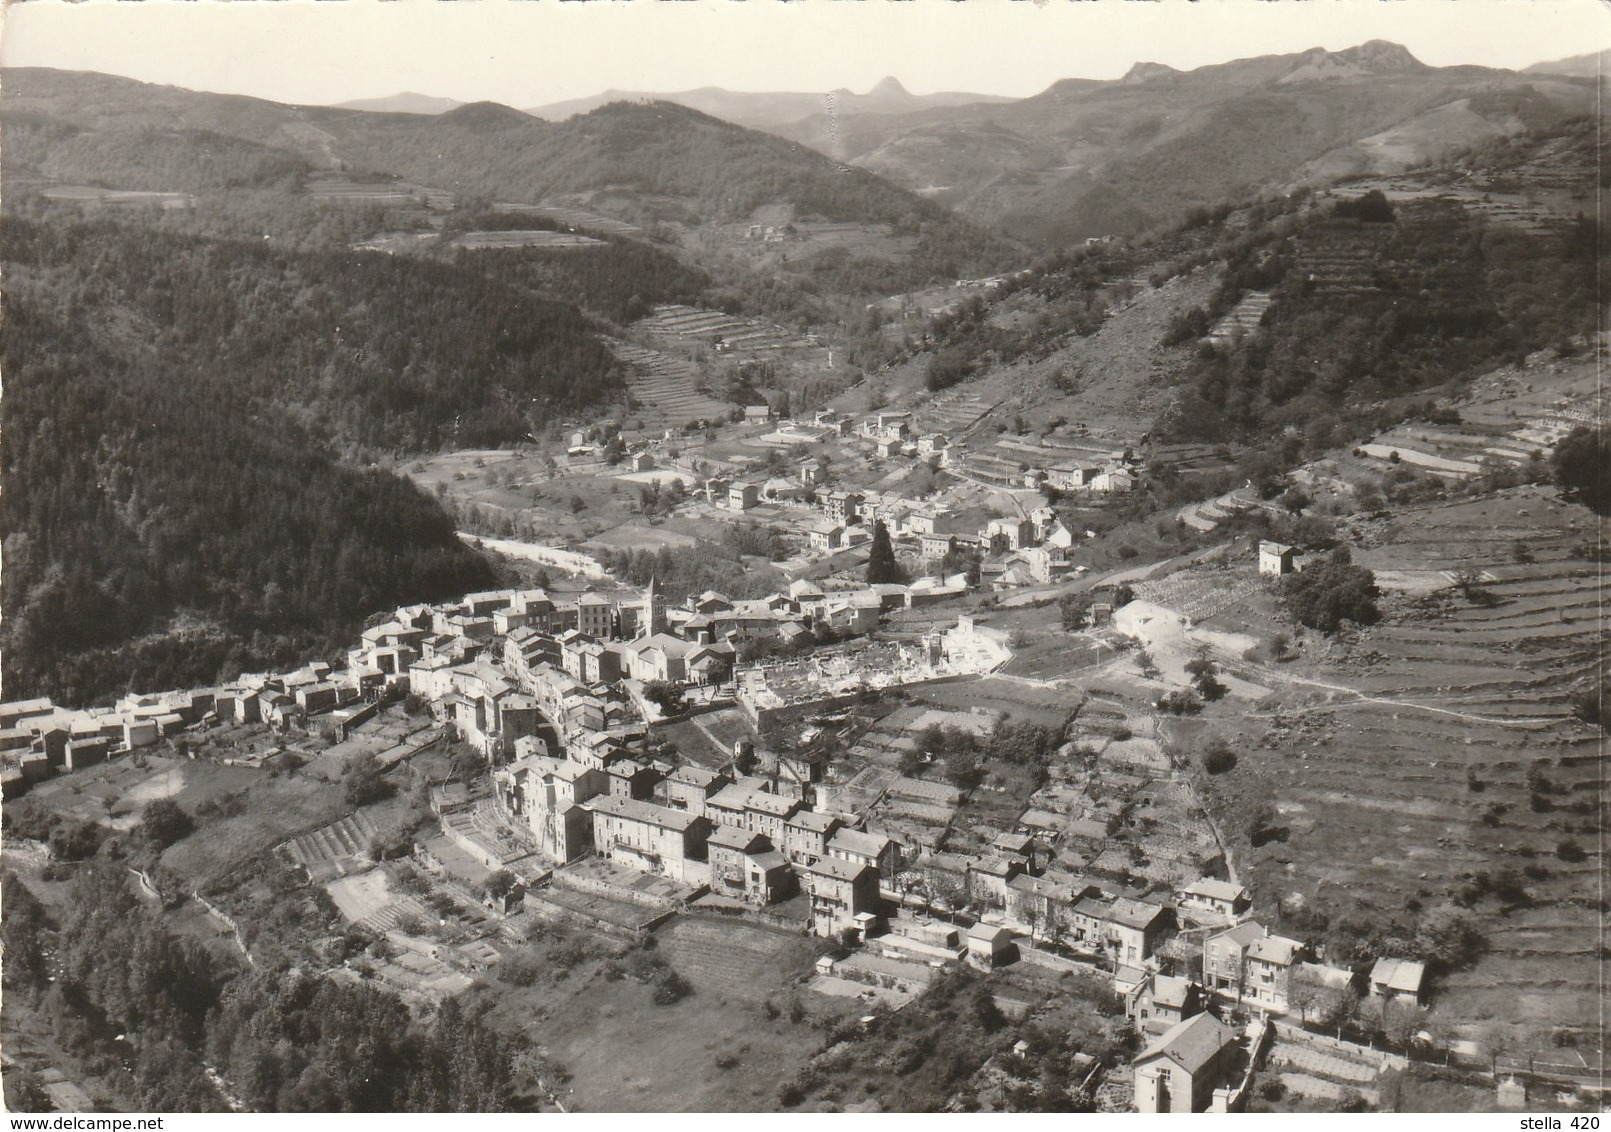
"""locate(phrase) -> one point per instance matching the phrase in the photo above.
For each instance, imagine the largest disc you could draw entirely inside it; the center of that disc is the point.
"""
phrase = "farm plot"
(333, 850)
(1437, 750)
(1024, 701)
(736, 959)
(368, 900)
(664, 388)
(525, 238)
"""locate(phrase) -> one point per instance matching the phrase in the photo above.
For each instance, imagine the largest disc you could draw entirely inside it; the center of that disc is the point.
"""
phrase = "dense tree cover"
(1449, 295)
(281, 1040)
(167, 160)
(1582, 465)
(393, 353)
(967, 757)
(25, 929)
(928, 1056)
(1373, 208)
(295, 1042)
(1328, 593)
(619, 280)
(165, 822)
(147, 491)
(722, 171)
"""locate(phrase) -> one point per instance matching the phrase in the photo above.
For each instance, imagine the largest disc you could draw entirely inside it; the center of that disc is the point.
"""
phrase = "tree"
(1372, 208)
(1582, 465)
(882, 568)
(499, 885)
(1338, 1006)
(25, 1091)
(1401, 1021)
(164, 823)
(1329, 593)
(1147, 666)
(1075, 610)
(1305, 992)
(1449, 937)
(1219, 760)
(364, 781)
(1203, 672)
(664, 693)
(1570, 851)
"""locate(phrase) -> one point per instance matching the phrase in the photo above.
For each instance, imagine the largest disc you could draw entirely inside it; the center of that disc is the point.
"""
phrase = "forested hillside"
(175, 506)
(386, 353)
(1087, 159)
(1368, 299)
(620, 280)
(1444, 295)
(289, 1041)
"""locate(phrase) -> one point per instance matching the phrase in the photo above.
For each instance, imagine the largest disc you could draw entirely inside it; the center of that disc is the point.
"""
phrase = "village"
(941, 742)
(800, 810)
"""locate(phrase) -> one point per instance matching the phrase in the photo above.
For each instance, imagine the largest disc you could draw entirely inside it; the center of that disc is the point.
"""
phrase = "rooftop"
(812, 820)
(647, 812)
(1211, 889)
(1274, 949)
(1191, 1044)
(837, 869)
(738, 838)
(1404, 975)
(860, 843)
(1134, 913)
(1243, 935)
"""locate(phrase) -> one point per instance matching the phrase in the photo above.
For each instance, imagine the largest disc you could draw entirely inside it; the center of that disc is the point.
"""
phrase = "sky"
(531, 52)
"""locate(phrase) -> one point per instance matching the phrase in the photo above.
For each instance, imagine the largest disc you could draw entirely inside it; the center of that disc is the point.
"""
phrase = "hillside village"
(638, 757)
(558, 699)
(683, 650)
(820, 759)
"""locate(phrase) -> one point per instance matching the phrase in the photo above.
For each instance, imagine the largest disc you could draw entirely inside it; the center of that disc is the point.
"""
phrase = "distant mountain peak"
(406, 102)
(1381, 55)
(889, 87)
(1375, 57)
(486, 115)
(1144, 72)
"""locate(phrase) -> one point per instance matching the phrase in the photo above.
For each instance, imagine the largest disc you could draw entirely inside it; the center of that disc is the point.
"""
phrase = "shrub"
(1570, 851)
(363, 780)
(1372, 208)
(164, 823)
(1589, 706)
(1219, 760)
(1180, 702)
(671, 988)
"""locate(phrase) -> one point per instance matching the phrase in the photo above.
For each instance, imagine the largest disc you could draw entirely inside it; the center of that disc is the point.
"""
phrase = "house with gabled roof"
(1402, 979)
(843, 895)
(1189, 1068)
(1212, 897)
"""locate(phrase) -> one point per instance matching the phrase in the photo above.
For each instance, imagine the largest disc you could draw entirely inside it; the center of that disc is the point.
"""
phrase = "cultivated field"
(1438, 746)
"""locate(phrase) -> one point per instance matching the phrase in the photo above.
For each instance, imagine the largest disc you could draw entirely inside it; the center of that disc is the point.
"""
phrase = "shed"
(990, 945)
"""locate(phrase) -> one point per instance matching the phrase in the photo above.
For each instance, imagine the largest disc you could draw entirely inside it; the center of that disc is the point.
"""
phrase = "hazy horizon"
(525, 54)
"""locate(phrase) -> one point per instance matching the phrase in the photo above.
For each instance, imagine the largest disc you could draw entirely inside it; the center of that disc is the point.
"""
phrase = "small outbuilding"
(990, 945)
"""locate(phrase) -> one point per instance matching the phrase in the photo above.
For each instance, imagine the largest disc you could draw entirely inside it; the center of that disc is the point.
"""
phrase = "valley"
(649, 603)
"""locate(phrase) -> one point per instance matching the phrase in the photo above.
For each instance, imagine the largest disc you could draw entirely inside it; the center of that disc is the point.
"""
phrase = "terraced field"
(334, 850)
(1440, 745)
(746, 335)
(736, 959)
(1507, 417)
(665, 388)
